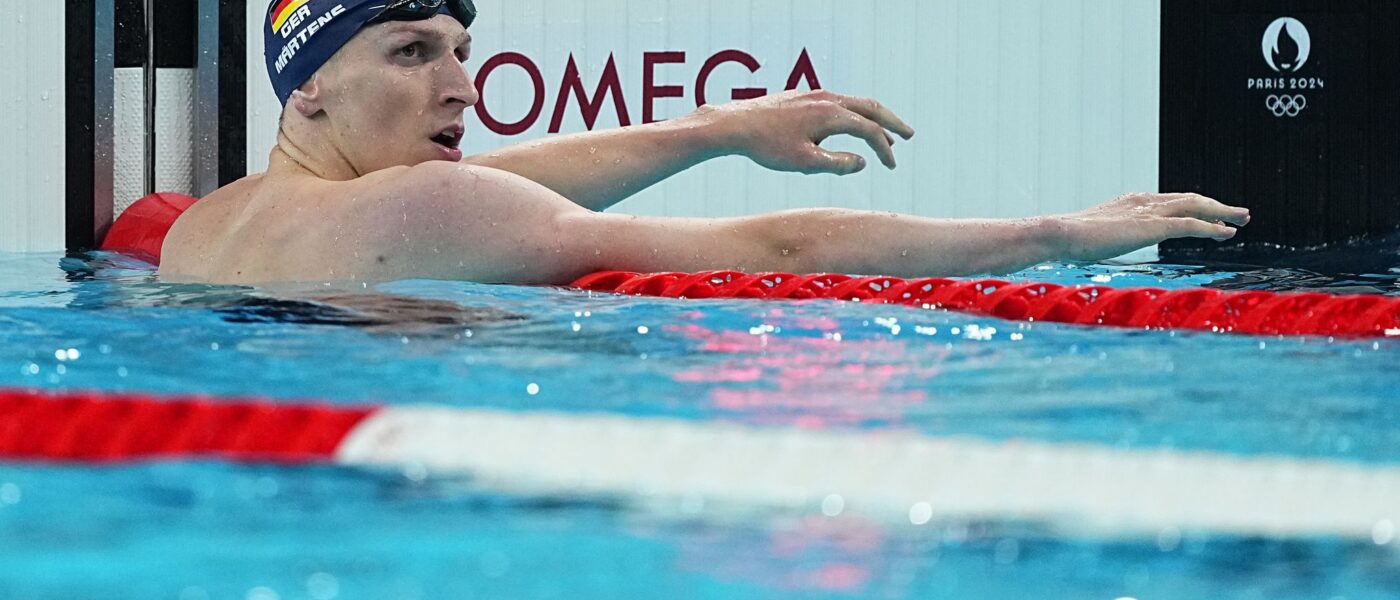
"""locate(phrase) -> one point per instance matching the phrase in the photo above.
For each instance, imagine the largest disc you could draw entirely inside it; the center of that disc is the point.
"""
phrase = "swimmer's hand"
(1135, 221)
(784, 131)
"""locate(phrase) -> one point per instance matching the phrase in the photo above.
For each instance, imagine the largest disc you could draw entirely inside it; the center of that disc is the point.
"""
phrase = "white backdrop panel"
(1022, 106)
(33, 130)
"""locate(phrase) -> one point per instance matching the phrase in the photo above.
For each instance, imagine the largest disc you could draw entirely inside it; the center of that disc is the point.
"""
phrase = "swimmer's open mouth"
(450, 137)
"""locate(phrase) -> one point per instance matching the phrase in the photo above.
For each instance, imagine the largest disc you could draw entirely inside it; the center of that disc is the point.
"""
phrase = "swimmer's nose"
(457, 86)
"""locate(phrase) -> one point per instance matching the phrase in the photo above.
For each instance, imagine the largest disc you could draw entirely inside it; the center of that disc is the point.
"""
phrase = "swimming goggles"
(418, 10)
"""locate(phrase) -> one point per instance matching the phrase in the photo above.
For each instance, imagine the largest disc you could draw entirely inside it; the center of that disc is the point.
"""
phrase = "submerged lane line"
(893, 477)
(887, 476)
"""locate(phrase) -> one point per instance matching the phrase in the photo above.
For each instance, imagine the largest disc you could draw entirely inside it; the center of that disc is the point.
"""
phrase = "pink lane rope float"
(141, 231)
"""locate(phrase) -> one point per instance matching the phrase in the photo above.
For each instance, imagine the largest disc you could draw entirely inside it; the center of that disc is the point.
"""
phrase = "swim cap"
(301, 35)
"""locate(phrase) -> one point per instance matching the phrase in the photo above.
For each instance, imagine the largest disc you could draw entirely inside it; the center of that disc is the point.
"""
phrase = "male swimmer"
(367, 183)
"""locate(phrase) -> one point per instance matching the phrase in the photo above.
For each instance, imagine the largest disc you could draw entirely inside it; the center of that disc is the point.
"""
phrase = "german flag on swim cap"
(284, 9)
(301, 35)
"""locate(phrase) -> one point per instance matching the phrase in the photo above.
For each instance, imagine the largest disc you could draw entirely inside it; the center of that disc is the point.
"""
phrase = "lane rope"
(1250, 312)
(895, 477)
(115, 428)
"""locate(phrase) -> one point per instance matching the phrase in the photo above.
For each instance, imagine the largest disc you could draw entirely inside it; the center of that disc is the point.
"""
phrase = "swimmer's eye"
(413, 50)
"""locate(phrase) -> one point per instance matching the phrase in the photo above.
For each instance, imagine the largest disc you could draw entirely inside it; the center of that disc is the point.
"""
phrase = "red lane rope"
(81, 427)
(1249, 312)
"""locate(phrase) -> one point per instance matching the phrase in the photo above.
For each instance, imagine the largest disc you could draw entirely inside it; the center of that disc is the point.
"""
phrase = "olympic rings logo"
(1286, 105)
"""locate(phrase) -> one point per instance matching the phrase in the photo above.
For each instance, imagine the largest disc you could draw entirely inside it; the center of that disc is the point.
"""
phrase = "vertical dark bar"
(1182, 73)
(1384, 182)
(176, 24)
(207, 68)
(233, 86)
(79, 27)
(149, 85)
(130, 33)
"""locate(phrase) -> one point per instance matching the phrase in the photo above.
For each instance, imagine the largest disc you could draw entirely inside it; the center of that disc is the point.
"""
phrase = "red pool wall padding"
(141, 229)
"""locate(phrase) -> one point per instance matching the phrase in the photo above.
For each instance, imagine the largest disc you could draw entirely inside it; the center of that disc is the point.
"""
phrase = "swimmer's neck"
(289, 156)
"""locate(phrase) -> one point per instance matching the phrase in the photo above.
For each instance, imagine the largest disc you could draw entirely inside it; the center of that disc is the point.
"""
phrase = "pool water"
(192, 530)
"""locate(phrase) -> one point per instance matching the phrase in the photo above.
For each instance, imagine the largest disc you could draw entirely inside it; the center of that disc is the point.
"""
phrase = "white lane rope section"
(896, 477)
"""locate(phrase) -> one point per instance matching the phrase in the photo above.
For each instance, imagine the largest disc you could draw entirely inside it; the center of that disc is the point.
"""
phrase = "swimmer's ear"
(307, 99)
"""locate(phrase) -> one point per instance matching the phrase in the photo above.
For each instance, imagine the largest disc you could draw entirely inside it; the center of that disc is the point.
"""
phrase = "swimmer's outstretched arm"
(599, 169)
(452, 221)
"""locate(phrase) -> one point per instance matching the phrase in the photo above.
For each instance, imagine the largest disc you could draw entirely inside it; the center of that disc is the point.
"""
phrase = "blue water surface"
(213, 530)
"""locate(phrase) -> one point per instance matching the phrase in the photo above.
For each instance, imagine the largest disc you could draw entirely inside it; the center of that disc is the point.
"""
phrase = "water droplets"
(1168, 539)
(920, 513)
(322, 586)
(1383, 532)
(10, 494)
(833, 505)
(262, 593)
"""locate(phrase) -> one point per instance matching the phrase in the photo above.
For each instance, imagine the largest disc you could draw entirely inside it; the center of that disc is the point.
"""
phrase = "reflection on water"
(104, 322)
(1363, 266)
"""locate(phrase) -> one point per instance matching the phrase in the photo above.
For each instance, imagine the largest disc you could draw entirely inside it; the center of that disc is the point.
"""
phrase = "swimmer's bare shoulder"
(196, 241)
(438, 220)
(433, 220)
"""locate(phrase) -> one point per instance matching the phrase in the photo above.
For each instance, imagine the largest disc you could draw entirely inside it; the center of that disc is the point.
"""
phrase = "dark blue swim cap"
(301, 35)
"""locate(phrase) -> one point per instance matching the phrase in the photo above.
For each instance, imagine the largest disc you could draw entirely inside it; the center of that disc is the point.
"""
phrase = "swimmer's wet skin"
(367, 182)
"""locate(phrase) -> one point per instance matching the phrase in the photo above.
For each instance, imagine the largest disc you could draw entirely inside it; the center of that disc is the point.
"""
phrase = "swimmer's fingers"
(875, 111)
(850, 123)
(1177, 227)
(821, 160)
(1205, 209)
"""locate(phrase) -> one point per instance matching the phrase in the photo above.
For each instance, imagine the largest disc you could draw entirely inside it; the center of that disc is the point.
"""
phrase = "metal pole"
(149, 73)
(206, 99)
(103, 103)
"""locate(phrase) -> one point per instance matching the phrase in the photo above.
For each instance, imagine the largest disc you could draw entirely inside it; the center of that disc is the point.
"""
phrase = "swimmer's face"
(394, 95)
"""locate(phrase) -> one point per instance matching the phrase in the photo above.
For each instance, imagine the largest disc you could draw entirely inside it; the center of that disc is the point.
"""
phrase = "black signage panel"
(1289, 107)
